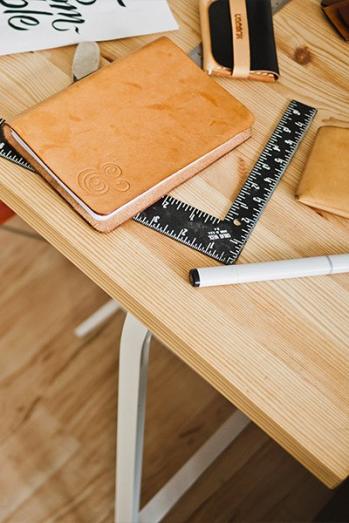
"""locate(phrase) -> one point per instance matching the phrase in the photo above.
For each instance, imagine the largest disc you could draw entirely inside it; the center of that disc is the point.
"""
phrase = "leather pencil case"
(238, 39)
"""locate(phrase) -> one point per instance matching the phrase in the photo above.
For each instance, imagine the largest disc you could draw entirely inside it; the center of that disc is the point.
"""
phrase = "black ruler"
(223, 240)
(7, 152)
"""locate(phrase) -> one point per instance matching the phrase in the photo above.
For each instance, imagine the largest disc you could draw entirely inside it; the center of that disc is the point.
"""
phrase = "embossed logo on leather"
(239, 31)
(107, 177)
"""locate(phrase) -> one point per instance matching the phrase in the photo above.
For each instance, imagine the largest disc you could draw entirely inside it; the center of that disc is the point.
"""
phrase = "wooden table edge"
(328, 476)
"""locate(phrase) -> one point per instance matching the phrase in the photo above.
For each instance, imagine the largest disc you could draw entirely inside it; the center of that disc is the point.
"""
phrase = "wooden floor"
(58, 406)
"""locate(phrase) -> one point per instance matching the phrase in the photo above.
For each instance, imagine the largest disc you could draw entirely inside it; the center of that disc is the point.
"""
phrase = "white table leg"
(133, 366)
(97, 318)
(180, 483)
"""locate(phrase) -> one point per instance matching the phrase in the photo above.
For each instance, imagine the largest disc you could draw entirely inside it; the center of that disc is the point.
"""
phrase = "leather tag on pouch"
(238, 39)
(325, 181)
(338, 14)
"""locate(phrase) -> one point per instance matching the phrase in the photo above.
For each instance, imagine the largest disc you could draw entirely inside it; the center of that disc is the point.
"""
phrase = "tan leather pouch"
(325, 181)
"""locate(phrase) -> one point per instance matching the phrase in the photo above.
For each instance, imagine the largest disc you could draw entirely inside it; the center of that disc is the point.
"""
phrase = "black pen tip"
(194, 278)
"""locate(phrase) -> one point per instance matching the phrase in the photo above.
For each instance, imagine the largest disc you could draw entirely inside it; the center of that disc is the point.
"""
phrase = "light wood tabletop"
(278, 350)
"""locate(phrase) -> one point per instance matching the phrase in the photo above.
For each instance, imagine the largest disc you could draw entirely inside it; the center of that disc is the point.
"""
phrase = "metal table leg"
(133, 366)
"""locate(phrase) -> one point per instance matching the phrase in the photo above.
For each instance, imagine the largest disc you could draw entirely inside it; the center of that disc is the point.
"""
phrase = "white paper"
(30, 25)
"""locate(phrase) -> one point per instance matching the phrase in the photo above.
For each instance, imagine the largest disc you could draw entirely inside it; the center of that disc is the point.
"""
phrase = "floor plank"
(58, 404)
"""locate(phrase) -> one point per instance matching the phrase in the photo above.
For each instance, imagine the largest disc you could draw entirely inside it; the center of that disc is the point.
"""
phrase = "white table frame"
(133, 371)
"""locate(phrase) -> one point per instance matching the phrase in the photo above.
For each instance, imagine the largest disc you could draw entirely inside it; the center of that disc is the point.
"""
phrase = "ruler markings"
(7, 152)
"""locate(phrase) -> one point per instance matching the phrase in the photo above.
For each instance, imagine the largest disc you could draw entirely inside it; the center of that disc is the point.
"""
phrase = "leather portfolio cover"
(115, 142)
(238, 39)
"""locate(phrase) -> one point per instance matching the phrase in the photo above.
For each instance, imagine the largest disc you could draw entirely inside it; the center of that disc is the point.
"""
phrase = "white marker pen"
(277, 270)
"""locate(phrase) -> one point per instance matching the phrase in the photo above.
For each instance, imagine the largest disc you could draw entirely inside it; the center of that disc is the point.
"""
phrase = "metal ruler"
(8, 153)
(223, 240)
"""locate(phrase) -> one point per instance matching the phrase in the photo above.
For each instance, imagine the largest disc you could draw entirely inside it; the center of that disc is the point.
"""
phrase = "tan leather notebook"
(115, 142)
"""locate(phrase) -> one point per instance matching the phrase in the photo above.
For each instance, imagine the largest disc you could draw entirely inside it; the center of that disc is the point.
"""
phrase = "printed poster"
(30, 25)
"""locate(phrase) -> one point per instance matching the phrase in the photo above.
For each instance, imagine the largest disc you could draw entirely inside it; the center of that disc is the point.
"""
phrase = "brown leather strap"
(241, 39)
(343, 11)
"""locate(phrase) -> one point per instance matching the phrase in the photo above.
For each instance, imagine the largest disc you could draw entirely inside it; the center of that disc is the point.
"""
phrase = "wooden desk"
(278, 351)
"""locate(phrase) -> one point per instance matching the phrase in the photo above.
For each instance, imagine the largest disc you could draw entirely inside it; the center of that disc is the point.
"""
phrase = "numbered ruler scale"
(223, 240)
(8, 153)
